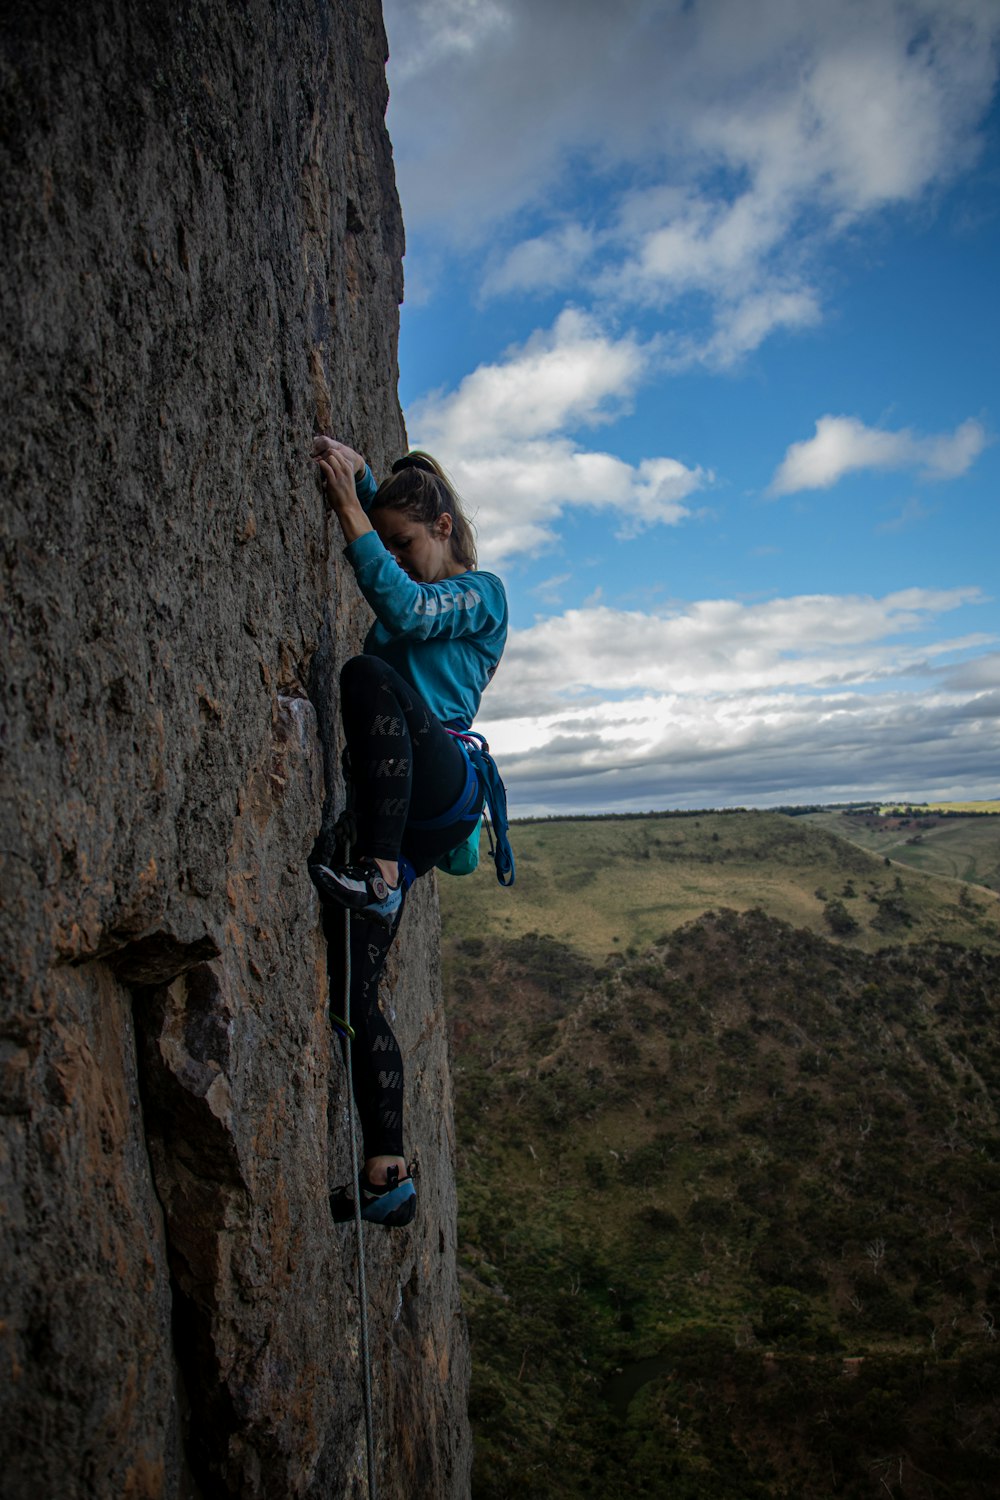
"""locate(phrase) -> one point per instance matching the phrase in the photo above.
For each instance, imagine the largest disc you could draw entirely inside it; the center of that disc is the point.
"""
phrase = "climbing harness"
(482, 784)
(366, 1367)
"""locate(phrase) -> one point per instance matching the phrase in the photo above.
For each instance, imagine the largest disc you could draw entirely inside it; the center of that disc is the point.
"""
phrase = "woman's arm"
(468, 604)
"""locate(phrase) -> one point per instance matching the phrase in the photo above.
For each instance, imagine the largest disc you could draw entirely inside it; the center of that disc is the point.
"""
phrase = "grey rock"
(200, 266)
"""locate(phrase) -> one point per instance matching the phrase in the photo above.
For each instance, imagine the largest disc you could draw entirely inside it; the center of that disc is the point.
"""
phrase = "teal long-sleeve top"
(445, 639)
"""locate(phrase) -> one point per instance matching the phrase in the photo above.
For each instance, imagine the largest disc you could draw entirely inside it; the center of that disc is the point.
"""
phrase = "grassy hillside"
(605, 883)
(729, 1201)
(956, 848)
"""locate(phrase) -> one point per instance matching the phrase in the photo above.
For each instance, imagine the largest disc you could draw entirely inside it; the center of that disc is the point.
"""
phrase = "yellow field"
(894, 809)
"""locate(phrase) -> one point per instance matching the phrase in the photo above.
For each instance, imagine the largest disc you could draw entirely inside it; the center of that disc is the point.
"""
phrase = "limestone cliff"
(201, 265)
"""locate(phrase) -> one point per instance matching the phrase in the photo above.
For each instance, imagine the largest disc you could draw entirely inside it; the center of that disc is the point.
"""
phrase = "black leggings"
(404, 765)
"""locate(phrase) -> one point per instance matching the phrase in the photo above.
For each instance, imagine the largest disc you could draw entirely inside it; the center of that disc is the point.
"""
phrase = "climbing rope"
(366, 1367)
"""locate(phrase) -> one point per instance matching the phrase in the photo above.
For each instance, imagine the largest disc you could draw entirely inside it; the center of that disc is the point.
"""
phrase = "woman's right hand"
(336, 464)
(323, 447)
(338, 474)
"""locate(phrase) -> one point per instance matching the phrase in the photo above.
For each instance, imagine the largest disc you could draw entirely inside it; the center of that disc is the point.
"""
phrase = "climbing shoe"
(361, 888)
(393, 1203)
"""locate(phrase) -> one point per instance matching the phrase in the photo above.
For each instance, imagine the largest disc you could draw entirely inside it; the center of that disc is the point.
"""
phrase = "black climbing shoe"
(361, 888)
(392, 1204)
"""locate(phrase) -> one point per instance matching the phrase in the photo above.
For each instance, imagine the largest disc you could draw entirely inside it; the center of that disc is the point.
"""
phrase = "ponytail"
(419, 487)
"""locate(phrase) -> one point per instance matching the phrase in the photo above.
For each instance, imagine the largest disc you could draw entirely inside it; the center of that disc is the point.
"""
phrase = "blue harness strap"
(469, 804)
(482, 783)
(496, 801)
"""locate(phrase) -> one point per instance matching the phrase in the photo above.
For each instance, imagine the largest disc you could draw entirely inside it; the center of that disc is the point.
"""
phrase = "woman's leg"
(404, 764)
(377, 1065)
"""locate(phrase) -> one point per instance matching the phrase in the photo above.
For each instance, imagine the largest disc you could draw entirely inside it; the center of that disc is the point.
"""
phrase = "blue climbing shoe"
(392, 1204)
(362, 888)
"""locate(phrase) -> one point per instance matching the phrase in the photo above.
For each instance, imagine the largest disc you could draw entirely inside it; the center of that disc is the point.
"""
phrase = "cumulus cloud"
(571, 374)
(548, 261)
(722, 146)
(724, 646)
(740, 325)
(843, 445)
(760, 749)
(445, 32)
(506, 430)
(861, 102)
(980, 672)
(690, 168)
(725, 702)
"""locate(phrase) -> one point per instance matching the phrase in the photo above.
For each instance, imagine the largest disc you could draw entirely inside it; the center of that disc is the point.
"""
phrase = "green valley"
(729, 1177)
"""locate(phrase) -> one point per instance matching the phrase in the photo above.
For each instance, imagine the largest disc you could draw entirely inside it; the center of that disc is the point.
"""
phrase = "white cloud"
(843, 445)
(720, 147)
(912, 513)
(545, 262)
(549, 591)
(728, 702)
(505, 432)
(756, 749)
(443, 31)
(981, 672)
(722, 646)
(953, 454)
(742, 326)
(569, 375)
(865, 101)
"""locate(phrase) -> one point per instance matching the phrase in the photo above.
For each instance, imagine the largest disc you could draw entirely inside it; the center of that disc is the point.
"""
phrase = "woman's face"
(422, 551)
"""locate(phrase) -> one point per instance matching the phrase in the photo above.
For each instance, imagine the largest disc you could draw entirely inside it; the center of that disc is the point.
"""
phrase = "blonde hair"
(420, 488)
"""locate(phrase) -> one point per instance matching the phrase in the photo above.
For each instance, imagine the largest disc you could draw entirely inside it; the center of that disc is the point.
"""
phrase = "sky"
(701, 316)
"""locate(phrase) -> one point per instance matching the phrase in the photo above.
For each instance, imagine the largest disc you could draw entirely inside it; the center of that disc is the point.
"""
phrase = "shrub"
(839, 919)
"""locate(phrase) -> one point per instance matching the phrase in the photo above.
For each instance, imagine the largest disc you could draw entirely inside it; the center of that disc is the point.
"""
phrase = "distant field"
(957, 848)
(978, 808)
(606, 885)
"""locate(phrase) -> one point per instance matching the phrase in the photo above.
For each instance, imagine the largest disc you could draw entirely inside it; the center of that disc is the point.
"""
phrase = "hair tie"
(413, 461)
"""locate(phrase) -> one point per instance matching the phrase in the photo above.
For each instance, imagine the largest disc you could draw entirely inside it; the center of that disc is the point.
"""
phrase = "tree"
(839, 919)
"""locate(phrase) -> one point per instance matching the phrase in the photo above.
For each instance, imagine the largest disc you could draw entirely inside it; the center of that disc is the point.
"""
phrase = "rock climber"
(439, 632)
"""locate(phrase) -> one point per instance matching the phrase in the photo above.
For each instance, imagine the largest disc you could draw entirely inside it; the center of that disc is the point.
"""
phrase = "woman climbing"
(439, 632)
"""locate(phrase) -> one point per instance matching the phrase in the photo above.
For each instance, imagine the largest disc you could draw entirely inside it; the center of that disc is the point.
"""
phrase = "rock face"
(200, 267)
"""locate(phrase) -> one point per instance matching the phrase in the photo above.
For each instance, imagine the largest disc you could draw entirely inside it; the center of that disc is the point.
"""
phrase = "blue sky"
(702, 317)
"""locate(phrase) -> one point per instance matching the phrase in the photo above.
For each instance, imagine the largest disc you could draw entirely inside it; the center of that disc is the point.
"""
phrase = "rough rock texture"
(200, 267)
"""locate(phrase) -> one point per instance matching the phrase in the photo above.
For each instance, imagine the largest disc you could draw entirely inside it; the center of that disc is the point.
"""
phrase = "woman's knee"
(362, 672)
